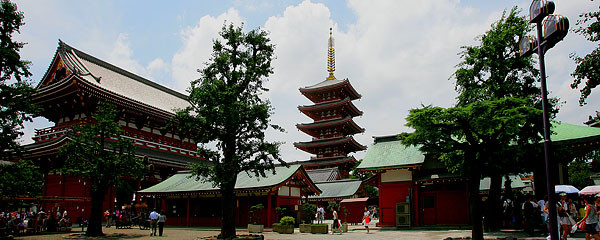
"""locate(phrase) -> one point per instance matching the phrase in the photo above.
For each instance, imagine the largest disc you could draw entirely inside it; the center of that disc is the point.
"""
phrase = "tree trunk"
(95, 221)
(494, 204)
(228, 209)
(474, 199)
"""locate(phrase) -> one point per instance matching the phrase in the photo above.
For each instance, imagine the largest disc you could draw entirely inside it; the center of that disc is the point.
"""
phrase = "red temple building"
(333, 125)
(68, 94)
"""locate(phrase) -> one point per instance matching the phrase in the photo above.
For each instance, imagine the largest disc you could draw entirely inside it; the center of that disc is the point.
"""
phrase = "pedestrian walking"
(162, 218)
(336, 224)
(153, 222)
(366, 219)
(590, 219)
(563, 216)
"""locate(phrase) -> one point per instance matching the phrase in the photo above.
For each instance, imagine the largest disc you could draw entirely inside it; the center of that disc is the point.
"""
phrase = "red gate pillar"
(163, 204)
(269, 209)
(187, 212)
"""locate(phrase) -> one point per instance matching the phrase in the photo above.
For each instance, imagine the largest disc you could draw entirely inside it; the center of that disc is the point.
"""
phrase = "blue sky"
(397, 54)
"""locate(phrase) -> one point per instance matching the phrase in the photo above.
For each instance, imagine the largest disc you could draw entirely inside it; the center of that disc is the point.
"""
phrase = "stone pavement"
(356, 232)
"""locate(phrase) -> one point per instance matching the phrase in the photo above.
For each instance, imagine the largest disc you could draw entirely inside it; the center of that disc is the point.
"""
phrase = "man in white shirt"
(153, 222)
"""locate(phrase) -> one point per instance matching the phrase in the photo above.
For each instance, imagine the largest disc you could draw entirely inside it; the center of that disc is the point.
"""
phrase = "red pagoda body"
(332, 128)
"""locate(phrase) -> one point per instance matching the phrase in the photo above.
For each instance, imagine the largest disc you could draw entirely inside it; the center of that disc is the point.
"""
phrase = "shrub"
(287, 220)
(254, 216)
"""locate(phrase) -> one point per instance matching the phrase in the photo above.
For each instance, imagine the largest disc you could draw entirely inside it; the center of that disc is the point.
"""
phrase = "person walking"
(153, 222)
(162, 218)
(366, 219)
(336, 224)
(563, 216)
(590, 219)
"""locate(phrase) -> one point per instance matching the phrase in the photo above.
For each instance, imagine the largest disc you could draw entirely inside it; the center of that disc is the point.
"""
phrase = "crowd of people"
(337, 225)
(573, 212)
(22, 222)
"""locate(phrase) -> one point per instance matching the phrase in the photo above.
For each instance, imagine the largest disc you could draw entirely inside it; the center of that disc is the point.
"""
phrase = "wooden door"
(429, 203)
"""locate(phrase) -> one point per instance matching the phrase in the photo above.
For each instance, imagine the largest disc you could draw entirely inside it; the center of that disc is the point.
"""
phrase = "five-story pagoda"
(333, 125)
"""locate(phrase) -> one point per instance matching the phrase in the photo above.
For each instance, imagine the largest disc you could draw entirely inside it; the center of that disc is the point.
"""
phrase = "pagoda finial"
(330, 57)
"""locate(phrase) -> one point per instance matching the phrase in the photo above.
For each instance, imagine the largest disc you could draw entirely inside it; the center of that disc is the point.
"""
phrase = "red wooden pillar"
(154, 202)
(163, 204)
(187, 212)
(269, 209)
(416, 201)
(380, 198)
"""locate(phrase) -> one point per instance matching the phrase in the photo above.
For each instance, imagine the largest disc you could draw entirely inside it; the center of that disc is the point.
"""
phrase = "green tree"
(227, 109)
(15, 106)
(97, 152)
(588, 67)
(468, 138)
(19, 179)
(494, 70)
(498, 106)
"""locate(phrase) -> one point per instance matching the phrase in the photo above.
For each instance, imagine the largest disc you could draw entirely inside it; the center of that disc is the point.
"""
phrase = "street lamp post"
(550, 30)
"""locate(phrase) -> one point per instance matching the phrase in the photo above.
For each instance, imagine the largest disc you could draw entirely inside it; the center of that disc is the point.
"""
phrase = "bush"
(308, 212)
(254, 215)
(287, 220)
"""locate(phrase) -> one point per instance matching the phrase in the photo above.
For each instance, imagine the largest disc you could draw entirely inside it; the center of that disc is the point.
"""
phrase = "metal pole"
(547, 142)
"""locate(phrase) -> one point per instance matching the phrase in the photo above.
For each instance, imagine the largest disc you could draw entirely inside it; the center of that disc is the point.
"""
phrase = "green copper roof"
(567, 133)
(391, 154)
(337, 189)
(182, 182)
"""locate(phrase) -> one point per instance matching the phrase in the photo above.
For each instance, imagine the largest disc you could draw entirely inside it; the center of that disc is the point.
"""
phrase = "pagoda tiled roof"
(116, 81)
(331, 142)
(326, 161)
(347, 101)
(307, 127)
(331, 84)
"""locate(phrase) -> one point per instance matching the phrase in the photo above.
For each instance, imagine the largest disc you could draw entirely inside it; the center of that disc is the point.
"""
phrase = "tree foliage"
(15, 106)
(588, 67)
(97, 152)
(498, 108)
(20, 179)
(227, 110)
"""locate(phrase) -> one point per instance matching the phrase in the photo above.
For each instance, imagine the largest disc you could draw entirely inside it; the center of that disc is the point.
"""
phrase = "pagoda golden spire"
(330, 57)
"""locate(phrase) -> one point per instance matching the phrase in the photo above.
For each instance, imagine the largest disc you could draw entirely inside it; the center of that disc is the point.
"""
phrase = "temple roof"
(564, 133)
(114, 80)
(331, 142)
(309, 127)
(309, 164)
(391, 153)
(328, 85)
(185, 183)
(161, 157)
(307, 109)
(337, 189)
(324, 174)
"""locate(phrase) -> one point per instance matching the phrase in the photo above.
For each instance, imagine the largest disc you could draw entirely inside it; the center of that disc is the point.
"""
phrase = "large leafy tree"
(19, 179)
(588, 67)
(15, 107)
(228, 112)
(498, 107)
(98, 153)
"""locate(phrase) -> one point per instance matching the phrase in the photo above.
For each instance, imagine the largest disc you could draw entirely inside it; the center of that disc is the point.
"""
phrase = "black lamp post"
(550, 30)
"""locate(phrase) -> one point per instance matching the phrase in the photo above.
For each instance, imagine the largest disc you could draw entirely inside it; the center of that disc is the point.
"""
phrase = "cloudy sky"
(397, 54)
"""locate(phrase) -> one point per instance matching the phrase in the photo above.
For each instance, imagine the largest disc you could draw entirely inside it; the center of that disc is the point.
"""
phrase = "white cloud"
(197, 47)
(397, 59)
(122, 55)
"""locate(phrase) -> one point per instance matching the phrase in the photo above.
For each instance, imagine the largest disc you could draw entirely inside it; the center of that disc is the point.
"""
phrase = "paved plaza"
(355, 233)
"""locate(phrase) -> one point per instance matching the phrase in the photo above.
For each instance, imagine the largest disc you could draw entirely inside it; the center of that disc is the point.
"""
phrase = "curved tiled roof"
(118, 81)
(185, 183)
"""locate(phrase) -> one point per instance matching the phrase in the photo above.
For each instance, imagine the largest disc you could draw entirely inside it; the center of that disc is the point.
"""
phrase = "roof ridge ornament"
(330, 57)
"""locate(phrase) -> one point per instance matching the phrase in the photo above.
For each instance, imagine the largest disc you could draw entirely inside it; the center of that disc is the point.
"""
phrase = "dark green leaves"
(15, 91)
(98, 152)
(20, 179)
(588, 67)
(227, 110)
